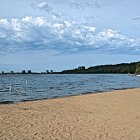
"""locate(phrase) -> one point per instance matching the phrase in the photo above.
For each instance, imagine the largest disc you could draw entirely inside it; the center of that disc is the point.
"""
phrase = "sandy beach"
(104, 116)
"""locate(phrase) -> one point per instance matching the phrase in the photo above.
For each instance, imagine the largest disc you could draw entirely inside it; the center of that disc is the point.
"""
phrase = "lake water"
(17, 88)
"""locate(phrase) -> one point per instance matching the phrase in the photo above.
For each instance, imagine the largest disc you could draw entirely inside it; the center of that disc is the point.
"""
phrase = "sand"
(104, 116)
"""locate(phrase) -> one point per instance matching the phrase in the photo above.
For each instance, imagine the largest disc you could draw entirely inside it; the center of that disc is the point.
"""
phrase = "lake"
(18, 88)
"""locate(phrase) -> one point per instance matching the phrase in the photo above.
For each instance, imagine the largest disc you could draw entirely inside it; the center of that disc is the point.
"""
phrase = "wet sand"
(104, 116)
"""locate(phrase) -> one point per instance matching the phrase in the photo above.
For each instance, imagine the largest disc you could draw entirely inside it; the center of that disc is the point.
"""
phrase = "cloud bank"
(30, 34)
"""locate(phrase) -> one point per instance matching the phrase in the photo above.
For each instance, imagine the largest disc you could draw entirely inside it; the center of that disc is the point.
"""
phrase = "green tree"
(138, 68)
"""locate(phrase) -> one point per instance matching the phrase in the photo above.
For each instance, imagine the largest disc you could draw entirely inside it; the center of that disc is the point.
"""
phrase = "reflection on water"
(15, 88)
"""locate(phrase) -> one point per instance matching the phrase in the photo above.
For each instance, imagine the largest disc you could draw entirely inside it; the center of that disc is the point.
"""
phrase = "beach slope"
(104, 116)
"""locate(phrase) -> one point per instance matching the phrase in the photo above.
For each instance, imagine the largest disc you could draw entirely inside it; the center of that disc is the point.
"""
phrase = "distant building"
(51, 71)
(11, 72)
(23, 72)
(2, 72)
(29, 72)
(47, 71)
(81, 68)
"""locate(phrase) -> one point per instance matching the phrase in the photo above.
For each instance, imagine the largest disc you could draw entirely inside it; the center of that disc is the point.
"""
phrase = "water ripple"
(54, 86)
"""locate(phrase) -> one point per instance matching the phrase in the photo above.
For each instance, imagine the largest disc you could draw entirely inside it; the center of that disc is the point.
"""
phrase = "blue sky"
(61, 34)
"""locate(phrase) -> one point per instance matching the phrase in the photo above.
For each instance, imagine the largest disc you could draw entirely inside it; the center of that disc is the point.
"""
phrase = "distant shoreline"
(56, 73)
(122, 68)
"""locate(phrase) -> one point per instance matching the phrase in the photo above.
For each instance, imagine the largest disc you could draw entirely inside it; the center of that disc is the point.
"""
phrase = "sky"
(59, 34)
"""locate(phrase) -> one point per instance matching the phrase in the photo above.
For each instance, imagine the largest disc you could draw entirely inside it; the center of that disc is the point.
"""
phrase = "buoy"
(10, 88)
(26, 82)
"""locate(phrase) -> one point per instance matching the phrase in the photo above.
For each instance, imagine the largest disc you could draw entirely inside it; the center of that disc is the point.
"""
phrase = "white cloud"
(44, 6)
(78, 4)
(90, 28)
(40, 21)
(62, 36)
(136, 18)
(77, 32)
(15, 24)
(4, 22)
(27, 19)
(58, 26)
(67, 23)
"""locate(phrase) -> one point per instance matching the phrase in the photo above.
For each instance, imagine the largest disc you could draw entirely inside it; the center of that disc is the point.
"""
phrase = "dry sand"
(106, 116)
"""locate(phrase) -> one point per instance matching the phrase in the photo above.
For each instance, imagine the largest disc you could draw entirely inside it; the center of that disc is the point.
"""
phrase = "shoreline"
(103, 116)
(61, 97)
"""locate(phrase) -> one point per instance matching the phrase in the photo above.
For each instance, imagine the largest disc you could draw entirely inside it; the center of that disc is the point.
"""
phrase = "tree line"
(131, 68)
(138, 68)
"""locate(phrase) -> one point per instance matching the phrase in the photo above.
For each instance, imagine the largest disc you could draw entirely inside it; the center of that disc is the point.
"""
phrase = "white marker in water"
(26, 82)
(10, 88)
